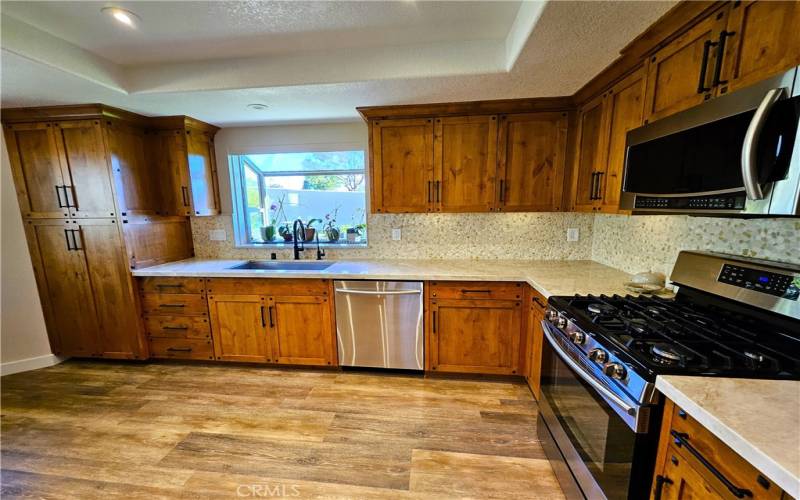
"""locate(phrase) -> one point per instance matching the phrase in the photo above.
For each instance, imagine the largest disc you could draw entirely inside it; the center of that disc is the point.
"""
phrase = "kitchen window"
(324, 189)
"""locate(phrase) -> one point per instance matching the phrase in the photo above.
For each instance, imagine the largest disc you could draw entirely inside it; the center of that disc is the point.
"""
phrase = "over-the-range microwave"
(734, 155)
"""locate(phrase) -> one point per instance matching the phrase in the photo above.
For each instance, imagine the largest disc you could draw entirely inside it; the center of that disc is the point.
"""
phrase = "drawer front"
(185, 327)
(174, 304)
(718, 455)
(476, 290)
(257, 286)
(171, 285)
(181, 348)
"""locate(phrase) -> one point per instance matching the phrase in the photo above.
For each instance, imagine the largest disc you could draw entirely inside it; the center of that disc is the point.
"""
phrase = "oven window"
(598, 435)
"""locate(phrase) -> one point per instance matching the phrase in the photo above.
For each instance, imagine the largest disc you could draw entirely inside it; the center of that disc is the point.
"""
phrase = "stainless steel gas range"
(599, 410)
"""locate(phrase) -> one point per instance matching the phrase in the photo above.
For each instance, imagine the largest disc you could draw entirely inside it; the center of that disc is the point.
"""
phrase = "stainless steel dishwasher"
(379, 324)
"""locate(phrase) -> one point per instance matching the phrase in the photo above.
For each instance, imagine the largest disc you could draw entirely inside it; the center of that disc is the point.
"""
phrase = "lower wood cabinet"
(693, 463)
(86, 291)
(474, 335)
(272, 321)
(536, 308)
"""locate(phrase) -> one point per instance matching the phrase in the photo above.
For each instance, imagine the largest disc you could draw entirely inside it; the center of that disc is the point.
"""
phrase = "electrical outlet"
(396, 234)
(572, 234)
(217, 235)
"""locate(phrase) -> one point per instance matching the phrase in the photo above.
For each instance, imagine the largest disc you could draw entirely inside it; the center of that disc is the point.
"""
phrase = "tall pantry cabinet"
(78, 172)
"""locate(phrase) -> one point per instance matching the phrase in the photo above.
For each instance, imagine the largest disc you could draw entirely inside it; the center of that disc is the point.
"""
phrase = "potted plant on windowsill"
(331, 231)
(276, 213)
(310, 230)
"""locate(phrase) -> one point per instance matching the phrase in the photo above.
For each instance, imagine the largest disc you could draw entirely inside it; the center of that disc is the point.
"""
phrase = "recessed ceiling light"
(123, 16)
(257, 106)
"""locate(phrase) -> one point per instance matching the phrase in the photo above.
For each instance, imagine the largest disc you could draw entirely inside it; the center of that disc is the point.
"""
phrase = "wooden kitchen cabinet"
(590, 158)
(680, 75)
(465, 163)
(89, 303)
(761, 39)
(476, 332)
(202, 165)
(537, 305)
(134, 176)
(693, 463)
(239, 327)
(402, 165)
(532, 150)
(301, 330)
(60, 169)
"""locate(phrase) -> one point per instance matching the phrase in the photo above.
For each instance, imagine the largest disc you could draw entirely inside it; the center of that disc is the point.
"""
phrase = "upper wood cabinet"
(604, 123)
(465, 163)
(532, 150)
(60, 169)
(761, 39)
(134, 176)
(402, 165)
(681, 74)
(89, 303)
(202, 172)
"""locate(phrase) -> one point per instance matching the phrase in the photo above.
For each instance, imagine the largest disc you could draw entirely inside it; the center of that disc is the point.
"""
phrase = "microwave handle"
(630, 410)
(749, 167)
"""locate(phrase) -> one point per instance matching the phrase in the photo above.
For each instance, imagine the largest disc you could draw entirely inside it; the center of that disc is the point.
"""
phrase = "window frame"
(241, 224)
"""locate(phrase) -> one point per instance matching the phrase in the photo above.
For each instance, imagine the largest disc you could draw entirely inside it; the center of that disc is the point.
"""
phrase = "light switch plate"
(572, 234)
(396, 234)
(217, 235)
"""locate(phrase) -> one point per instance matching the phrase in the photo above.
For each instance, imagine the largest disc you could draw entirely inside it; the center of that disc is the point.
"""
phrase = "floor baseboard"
(24, 365)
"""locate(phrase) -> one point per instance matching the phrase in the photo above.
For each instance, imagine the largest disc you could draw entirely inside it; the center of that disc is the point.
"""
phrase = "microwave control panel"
(719, 202)
(786, 286)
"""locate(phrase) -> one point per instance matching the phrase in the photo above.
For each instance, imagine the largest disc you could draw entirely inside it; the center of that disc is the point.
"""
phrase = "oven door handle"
(587, 377)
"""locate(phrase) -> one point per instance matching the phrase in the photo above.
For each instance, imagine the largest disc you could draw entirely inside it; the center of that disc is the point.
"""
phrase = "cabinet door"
(239, 327)
(535, 338)
(36, 167)
(85, 167)
(682, 481)
(624, 105)
(301, 330)
(762, 39)
(121, 330)
(680, 74)
(475, 336)
(64, 286)
(465, 163)
(135, 181)
(402, 165)
(590, 159)
(202, 173)
(532, 149)
(167, 155)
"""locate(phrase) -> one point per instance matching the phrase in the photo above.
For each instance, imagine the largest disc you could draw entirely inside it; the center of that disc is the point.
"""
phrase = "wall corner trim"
(28, 364)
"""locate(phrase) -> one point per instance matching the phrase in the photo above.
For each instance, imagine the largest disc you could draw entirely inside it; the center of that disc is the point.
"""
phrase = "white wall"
(23, 337)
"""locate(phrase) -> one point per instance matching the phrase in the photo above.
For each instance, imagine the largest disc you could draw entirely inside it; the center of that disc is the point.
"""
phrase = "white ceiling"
(309, 61)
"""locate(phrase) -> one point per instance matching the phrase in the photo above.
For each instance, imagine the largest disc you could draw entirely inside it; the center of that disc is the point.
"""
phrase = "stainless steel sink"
(277, 265)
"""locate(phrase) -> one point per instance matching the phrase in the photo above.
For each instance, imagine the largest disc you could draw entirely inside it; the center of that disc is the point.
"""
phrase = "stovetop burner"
(683, 336)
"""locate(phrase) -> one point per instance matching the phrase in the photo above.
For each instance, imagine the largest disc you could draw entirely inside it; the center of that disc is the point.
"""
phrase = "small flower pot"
(333, 234)
(310, 233)
(268, 233)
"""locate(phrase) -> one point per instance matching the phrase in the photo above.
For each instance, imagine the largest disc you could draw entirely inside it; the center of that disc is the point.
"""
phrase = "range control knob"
(615, 370)
(577, 337)
(560, 322)
(552, 314)
(598, 356)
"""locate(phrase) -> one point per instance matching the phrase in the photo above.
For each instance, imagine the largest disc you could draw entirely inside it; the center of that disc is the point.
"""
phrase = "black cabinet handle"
(430, 191)
(58, 195)
(433, 322)
(682, 440)
(69, 243)
(597, 195)
(592, 186)
(176, 327)
(172, 305)
(185, 195)
(502, 190)
(539, 302)
(263, 321)
(660, 482)
(701, 84)
(720, 55)
(179, 349)
(70, 201)
(75, 245)
(438, 190)
(269, 311)
(467, 290)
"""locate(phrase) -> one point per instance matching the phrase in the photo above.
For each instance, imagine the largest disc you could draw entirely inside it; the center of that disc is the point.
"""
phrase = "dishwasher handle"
(371, 292)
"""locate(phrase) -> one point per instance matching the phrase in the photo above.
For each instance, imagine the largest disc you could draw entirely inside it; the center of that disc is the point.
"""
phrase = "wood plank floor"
(156, 430)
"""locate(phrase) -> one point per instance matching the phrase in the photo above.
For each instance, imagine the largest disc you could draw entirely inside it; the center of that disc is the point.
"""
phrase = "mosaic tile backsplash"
(652, 242)
(434, 236)
(629, 243)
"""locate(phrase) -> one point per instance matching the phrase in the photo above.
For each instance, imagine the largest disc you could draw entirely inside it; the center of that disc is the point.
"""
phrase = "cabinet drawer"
(267, 286)
(174, 304)
(188, 327)
(718, 455)
(171, 285)
(476, 290)
(181, 348)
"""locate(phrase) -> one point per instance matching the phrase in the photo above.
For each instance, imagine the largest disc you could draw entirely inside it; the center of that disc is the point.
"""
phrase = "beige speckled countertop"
(758, 419)
(550, 277)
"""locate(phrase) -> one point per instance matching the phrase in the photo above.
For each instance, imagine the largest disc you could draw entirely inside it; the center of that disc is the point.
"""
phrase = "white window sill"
(309, 244)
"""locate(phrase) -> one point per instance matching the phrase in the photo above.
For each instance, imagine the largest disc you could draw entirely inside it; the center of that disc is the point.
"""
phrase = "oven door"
(598, 451)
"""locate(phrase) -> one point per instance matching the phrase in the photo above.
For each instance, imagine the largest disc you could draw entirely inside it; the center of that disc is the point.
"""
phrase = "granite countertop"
(549, 277)
(758, 419)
